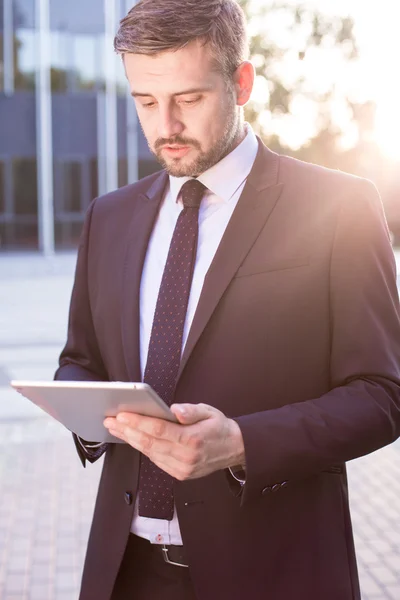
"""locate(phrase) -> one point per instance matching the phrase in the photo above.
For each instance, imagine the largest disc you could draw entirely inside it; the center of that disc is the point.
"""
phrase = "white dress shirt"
(225, 182)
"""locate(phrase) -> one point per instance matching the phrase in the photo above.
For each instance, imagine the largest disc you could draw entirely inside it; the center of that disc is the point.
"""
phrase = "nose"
(169, 124)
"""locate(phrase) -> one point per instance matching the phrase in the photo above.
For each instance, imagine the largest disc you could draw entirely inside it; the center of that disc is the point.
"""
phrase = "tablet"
(82, 406)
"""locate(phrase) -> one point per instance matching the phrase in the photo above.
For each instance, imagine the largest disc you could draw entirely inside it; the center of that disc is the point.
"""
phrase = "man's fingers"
(157, 428)
(175, 459)
(189, 414)
(175, 468)
(117, 434)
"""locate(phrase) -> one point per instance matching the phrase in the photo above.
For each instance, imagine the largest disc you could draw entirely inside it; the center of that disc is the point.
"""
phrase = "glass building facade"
(68, 126)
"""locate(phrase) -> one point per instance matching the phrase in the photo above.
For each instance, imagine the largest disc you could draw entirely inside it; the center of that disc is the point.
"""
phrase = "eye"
(149, 104)
(189, 102)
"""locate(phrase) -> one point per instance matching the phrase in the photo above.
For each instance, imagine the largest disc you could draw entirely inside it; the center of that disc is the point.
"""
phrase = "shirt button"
(159, 538)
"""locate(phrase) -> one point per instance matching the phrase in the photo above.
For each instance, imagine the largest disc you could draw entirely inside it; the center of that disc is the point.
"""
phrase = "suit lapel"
(143, 218)
(256, 203)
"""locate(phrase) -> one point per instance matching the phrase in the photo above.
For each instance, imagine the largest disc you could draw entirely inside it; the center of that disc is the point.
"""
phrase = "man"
(257, 295)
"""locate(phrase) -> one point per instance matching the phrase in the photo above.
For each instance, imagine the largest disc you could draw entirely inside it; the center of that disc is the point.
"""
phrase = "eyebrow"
(186, 92)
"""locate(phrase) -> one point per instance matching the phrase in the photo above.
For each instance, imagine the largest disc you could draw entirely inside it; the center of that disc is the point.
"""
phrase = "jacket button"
(266, 490)
(276, 487)
(128, 498)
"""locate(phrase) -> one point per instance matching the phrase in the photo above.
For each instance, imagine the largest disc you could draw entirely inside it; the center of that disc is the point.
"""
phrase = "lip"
(177, 151)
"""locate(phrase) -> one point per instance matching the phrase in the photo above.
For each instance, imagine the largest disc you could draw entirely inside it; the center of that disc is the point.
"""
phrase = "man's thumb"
(188, 414)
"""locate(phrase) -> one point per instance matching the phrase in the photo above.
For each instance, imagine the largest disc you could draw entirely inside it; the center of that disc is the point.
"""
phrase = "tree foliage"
(283, 33)
(286, 32)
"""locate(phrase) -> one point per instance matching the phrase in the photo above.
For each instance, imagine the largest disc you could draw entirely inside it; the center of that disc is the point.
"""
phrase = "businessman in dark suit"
(257, 295)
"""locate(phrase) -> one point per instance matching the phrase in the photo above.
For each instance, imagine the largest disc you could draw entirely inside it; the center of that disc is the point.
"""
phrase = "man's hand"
(202, 442)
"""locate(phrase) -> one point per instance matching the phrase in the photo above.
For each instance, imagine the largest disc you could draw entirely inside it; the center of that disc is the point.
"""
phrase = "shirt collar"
(224, 178)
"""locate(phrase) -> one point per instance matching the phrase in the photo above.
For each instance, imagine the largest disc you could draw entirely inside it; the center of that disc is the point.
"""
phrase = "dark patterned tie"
(156, 498)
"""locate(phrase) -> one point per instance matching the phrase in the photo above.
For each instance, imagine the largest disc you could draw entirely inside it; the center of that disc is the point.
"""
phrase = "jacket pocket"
(335, 470)
(255, 269)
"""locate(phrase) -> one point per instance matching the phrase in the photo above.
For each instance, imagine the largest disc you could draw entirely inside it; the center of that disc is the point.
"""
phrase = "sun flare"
(387, 126)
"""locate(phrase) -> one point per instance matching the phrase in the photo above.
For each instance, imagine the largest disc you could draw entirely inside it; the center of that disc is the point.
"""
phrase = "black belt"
(173, 555)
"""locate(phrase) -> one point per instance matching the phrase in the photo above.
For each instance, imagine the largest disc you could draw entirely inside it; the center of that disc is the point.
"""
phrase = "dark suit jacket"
(296, 336)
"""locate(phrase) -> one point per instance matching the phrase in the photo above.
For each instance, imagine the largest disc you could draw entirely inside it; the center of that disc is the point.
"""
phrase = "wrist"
(238, 459)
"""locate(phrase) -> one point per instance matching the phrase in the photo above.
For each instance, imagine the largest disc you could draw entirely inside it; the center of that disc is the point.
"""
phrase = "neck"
(241, 134)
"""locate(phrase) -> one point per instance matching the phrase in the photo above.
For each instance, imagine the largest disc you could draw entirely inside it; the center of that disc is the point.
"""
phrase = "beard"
(204, 160)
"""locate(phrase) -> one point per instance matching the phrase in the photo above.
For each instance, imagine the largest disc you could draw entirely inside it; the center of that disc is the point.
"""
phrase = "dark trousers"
(144, 575)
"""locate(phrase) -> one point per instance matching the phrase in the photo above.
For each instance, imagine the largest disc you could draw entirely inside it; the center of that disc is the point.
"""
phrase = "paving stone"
(65, 581)
(368, 557)
(393, 592)
(15, 583)
(392, 560)
(394, 536)
(20, 545)
(39, 591)
(43, 535)
(40, 572)
(383, 575)
(17, 564)
(369, 585)
(65, 544)
(382, 547)
(42, 554)
(64, 560)
(71, 595)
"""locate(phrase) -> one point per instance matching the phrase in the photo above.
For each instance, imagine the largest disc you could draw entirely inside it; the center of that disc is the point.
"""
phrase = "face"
(189, 115)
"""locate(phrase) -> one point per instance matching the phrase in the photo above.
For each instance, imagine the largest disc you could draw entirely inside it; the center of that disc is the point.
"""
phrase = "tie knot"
(192, 193)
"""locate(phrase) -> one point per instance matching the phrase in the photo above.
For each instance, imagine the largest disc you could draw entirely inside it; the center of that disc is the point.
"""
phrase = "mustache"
(161, 142)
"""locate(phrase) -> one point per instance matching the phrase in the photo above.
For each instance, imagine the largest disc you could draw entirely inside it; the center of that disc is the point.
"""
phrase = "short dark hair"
(155, 26)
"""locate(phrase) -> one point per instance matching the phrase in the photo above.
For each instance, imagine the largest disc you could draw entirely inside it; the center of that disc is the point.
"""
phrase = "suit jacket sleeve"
(81, 359)
(361, 412)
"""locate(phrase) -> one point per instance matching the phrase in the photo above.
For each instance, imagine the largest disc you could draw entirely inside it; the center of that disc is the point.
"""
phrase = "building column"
(8, 47)
(132, 134)
(107, 130)
(44, 142)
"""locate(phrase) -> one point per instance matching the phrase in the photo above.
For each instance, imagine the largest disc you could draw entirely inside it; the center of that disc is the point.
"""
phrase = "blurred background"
(327, 91)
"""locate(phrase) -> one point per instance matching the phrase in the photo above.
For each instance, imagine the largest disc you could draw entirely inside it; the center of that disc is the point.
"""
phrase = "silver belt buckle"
(167, 559)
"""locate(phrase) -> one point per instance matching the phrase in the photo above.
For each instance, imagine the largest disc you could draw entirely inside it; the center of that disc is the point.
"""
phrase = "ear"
(244, 82)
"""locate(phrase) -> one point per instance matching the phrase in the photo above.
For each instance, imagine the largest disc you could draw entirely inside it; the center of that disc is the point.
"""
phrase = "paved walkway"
(46, 499)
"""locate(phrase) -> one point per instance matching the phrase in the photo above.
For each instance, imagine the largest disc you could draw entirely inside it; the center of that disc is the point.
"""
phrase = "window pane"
(18, 236)
(71, 187)
(2, 190)
(60, 61)
(75, 61)
(24, 13)
(25, 53)
(77, 16)
(86, 61)
(25, 186)
(1, 58)
(94, 181)
(67, 234)
(122, 172)
(20, 44)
